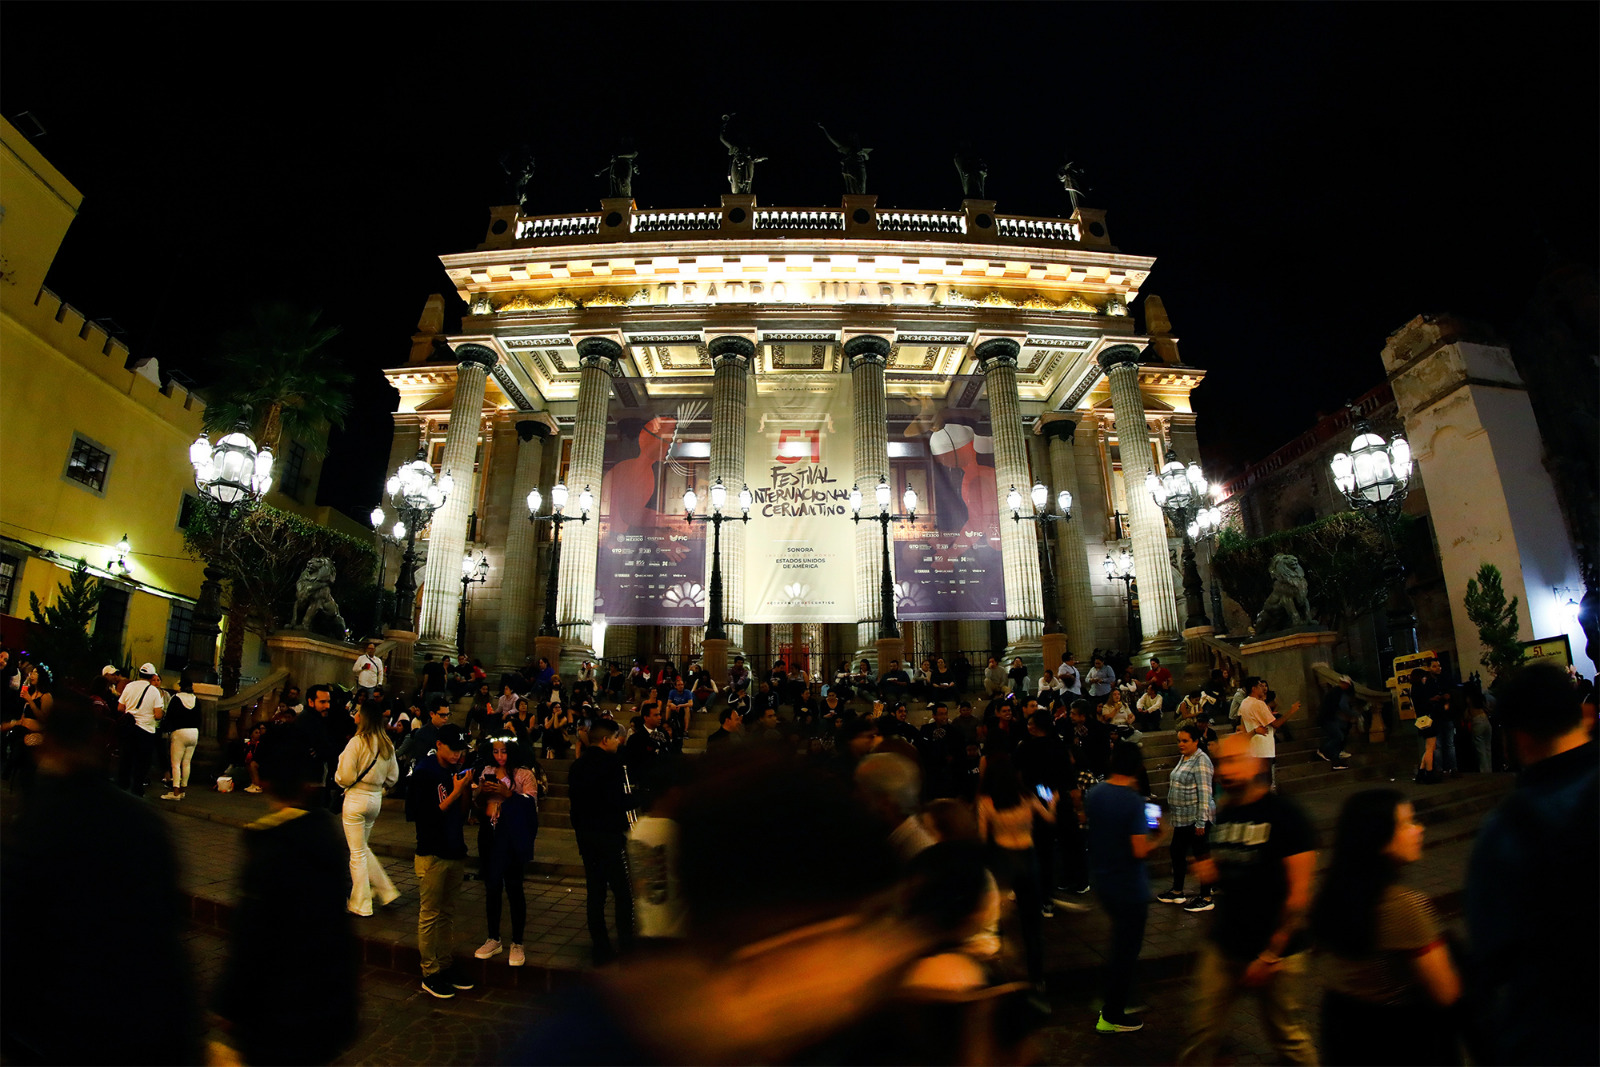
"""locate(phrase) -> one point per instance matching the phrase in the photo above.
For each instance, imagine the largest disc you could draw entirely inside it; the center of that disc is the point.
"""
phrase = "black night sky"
(1309, 177)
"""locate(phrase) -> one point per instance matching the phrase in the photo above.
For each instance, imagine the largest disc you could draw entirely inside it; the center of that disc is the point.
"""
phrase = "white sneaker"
(517, 958)
(252, 789)
(490, 947)
(171, 796)
(1344, 755)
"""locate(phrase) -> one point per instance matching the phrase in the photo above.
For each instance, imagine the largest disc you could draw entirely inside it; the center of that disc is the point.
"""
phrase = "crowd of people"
(921, 861)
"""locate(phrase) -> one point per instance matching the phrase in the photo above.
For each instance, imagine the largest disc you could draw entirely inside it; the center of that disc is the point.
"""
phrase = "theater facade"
(798, 353)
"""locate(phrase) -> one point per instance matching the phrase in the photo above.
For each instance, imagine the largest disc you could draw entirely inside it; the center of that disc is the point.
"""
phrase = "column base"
(548, 649)
(1052, 647)
(1167, 646)
(887, 649)
(436, 649)
(1032, 654)
(714, 657)
(571, 659)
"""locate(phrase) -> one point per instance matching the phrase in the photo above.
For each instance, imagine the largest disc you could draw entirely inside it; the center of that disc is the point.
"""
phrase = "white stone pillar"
(1072, 557)
(868, 356)
(521, 562)
(731, 357)
(447, 536)
(1147, 527)
(1019, 547)
(580, 540)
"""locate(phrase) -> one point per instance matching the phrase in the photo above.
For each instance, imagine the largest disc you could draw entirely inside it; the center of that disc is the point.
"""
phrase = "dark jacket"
(594, 784)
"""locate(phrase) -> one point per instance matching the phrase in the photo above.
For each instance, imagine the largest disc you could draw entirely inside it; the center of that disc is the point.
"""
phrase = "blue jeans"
(1128, 910)
(1336, 730)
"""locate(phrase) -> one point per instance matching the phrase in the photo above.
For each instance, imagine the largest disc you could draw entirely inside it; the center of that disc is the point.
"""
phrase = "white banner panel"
(800, 550)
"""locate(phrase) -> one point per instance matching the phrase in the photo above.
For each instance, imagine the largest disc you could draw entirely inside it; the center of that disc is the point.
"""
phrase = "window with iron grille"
(10, 566)
(111, 621)
(179, 625)
(186, 509)
(294, 469)
(88, 464)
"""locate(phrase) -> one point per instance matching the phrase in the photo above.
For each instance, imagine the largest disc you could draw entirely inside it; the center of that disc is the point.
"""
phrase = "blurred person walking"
(1387, 974)
(367, 767)
(1005, 823)
(1535, 978)
(1262, 858)
(1121, 836)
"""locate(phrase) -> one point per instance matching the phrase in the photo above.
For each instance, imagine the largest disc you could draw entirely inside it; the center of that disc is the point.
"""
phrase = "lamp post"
(232, 473)
(472, 572)
(1203, 529)
(118, 563)
(416, 493)
(716, 628)
(1375, 476)
(1047, 520)
(548, 628)
(1181, 493)
(888, 630)
(1120, 569)
(394, 538)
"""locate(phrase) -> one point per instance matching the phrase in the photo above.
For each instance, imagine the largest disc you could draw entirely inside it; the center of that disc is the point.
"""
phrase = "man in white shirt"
(369, 672)
(1258, 721)
(141, 705)
(1069, 677)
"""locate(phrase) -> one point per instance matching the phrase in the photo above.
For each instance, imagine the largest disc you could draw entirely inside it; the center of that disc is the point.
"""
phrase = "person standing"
(1263, 854)
(437, 802)
(1338, 715)
(1192, 808)
(183, 720)
(1388, 978)
(1067, 674)
(1102, 679)
(141, 705)
(369, 671)
(1260, 723)
(600, 819)
(1482, 729)
(367, 767)
(1120, 838)
(507, 796)
(1006, 819)
(1536, 980)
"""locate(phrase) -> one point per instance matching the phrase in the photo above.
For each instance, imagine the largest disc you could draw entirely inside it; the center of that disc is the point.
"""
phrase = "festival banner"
(800, 548)
(651, 566)
(947, 565)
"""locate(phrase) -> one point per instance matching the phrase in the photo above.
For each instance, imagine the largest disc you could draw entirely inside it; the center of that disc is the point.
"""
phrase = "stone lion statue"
(1287, 607)
(314, 595)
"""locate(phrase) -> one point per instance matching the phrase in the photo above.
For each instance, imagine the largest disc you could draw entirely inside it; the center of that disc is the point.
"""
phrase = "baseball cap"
(147, 669)
(450, 734)
(107, 671)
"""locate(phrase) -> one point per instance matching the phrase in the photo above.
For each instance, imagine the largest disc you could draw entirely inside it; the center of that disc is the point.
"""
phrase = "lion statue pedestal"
(1289, 641)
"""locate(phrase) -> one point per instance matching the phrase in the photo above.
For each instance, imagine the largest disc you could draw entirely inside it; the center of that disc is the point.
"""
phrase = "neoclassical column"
(1147, 527)
(1019, 549)
(731, 356)
(447, 536)
(521, 564)
(1072, 556)
(580, 540)
(868, 356)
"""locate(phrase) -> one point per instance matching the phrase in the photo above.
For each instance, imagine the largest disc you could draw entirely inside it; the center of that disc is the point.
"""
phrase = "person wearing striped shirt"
(1191, 807)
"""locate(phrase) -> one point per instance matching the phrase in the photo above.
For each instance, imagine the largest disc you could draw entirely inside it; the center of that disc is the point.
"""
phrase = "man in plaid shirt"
(1191, 807)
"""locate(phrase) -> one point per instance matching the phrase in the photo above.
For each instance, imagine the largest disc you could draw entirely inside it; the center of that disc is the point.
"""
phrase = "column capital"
(482, 355)
(600, 352)
(997, 352)
(867, 348)
(1118, 356)
(731, 349)
(1054, 426)
(541, 426)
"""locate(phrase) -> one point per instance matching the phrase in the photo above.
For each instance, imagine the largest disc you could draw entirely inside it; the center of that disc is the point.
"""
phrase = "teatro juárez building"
(796, 352)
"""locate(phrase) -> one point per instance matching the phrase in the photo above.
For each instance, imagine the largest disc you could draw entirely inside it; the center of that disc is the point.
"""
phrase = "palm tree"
(277, 378)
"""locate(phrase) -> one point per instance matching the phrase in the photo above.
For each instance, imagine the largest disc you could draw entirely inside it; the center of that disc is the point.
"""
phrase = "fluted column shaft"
(868, 356)
(1019, 546)
(1072, 557)
(731, 357)
(1147, 527)
(521, 563)
(580, 540)
(447, 536)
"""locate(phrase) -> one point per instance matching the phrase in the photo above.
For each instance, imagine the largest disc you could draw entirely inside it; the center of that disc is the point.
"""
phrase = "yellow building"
(93, 448)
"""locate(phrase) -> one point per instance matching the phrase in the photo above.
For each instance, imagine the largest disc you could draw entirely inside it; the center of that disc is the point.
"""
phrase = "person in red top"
(1161, 678)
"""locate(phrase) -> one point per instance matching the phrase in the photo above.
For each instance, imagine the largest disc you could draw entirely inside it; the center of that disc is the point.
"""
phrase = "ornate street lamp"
(393, 537)
(1047, 519)
(416, 493)
(558, 516)
(1203, 530)
(716, 630)
(1120, 569)
(887, 628)
(1181, 493)
(472, 572)
(1375, 476)
(232, 473)
(118, 563)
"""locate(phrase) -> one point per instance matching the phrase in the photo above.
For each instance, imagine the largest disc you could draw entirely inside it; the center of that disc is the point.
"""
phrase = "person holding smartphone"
(437, 802)
(1123, 831)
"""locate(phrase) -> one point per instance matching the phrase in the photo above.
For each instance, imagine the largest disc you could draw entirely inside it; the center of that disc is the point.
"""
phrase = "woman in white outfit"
(183, 717)
(366, 768)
